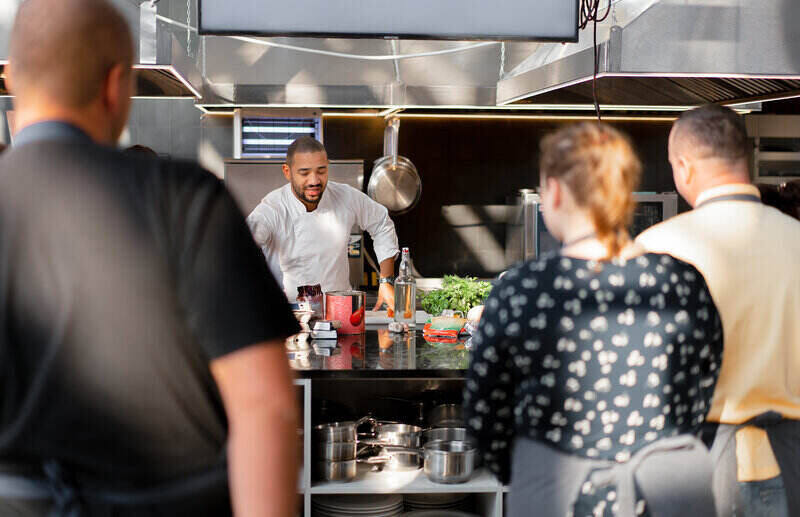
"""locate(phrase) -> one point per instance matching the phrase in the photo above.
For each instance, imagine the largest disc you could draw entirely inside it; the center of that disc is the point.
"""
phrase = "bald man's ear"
(116, 90)
(8, 78)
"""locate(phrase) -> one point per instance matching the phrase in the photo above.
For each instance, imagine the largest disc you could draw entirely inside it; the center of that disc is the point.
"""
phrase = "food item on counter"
(347, 307)
(457, 293)
(437, 334)
(312, 294)
(356, 317)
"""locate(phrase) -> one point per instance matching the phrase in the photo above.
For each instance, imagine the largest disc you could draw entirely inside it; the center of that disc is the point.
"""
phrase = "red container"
(349, 308)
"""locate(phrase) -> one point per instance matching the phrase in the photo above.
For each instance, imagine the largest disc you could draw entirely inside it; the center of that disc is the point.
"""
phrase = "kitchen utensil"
(336, 470)
(396, 459)
(348, 307)
(395, 182)
(449, 462)
(335, 451)
(446, 415)
(444, 462)
(350, 505)
(434, 502)
(445, 434)
(340, 431)
(400, 435)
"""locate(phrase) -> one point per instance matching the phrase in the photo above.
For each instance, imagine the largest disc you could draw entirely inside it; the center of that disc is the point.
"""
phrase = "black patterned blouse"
(597, 359)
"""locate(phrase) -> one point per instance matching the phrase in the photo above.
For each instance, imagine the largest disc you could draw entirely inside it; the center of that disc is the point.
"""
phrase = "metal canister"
(348, 307)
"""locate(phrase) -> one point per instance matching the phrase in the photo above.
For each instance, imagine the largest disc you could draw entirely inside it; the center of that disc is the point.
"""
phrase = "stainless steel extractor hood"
(175, 77)
(670, 53)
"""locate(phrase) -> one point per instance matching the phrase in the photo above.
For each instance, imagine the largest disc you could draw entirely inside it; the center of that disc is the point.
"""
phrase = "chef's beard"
(300, 193)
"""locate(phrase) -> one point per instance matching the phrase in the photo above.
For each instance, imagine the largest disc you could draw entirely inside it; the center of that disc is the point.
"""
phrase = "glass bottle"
(405, 293)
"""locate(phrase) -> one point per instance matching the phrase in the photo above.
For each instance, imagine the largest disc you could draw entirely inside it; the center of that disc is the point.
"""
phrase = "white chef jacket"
(307, 248)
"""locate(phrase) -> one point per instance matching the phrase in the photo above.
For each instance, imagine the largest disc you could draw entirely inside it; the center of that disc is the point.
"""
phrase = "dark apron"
(68, 499)
(783, 434)
(784, 438)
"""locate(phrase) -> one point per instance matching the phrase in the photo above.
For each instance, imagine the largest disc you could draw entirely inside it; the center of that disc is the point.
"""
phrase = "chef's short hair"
(304, 144)
(714, 131)
(63, 49)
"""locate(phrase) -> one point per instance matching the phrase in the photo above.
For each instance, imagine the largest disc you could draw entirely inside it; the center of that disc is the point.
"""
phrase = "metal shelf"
(413, 482)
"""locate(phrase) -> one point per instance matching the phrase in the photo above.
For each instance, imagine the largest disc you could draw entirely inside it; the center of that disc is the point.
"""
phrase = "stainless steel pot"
(394, 182)
(444, 462)
(446, 434)
(449, 462)
(336, 470)
(340, 431)
(400, 435)
(397, 459)
(335, 451)
(446, 415)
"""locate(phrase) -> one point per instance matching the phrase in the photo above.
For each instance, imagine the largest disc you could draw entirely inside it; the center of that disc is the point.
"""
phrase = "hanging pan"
(395, 182)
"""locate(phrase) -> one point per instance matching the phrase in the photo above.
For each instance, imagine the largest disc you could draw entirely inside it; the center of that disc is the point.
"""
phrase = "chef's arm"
(386, 290)
(256, 387)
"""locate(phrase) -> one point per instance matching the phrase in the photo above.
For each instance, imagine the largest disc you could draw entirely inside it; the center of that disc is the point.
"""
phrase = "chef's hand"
(385, 295)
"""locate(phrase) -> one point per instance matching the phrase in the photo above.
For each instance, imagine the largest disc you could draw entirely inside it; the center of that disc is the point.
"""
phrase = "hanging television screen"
(530, 20)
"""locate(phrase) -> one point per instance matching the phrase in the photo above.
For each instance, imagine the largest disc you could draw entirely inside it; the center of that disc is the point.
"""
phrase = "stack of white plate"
(430, 502)
(377, 505)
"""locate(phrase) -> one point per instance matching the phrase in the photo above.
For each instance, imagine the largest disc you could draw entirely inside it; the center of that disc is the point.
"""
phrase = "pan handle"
(367, 419)
(394, 448)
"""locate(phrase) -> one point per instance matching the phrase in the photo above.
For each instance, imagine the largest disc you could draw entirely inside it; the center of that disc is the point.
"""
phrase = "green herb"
(458, 294)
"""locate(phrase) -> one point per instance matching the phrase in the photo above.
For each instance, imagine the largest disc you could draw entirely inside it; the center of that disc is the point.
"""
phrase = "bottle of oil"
(405, 292)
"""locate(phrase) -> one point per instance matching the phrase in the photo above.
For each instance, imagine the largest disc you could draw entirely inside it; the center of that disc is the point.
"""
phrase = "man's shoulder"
(276, 196)
(653, 238)
(273, 206)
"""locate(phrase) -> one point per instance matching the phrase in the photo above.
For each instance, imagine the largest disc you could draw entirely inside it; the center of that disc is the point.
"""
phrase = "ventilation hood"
(175, 78)
(670, 53)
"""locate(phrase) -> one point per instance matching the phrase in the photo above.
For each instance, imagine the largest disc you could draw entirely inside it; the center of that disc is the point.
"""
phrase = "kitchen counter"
(378, 354)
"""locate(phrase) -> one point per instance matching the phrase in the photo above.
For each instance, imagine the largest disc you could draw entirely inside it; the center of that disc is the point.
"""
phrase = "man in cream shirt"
(750, 256)
(303, 228)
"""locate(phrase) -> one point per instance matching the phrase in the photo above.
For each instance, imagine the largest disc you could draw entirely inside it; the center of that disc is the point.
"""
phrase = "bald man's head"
(708, 148)
(62, 50)
(710, 131)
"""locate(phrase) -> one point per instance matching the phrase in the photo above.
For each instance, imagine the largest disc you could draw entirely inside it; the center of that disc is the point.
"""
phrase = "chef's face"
(308, 174)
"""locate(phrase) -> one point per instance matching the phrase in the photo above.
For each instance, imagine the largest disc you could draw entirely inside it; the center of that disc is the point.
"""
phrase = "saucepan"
(400, 435)
(444, 462)
(396, 459)
(340, 431)
(446, 434)
(335, 451)
(336, 470)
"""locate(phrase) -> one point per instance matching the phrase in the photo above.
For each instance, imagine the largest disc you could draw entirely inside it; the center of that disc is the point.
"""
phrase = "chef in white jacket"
(303, 228)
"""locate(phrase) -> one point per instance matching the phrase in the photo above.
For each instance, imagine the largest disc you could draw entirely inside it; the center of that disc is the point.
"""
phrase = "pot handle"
(373, 427)
(365, 419)
(395, 448)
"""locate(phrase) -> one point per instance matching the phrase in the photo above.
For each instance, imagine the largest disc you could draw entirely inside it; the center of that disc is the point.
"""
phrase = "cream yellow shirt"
(749, 255)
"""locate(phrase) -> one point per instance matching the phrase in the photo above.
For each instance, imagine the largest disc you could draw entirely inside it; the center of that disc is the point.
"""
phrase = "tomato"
(356, 317)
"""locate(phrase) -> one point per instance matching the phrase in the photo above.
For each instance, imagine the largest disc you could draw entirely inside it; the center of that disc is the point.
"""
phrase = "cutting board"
(380, 317)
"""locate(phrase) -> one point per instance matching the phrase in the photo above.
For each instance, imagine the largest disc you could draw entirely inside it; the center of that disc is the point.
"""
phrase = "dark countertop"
(378, 354)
